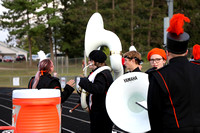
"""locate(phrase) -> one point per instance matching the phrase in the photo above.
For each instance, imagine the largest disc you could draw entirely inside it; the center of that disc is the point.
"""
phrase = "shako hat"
(177, 39)
(98, 56)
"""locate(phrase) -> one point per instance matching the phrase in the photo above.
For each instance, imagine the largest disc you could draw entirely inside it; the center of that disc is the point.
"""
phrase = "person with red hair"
(195, 54)
(43, 79)
(157, 58)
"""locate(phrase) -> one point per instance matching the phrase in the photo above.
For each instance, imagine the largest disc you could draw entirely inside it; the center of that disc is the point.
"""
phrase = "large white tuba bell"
(96, 36)
(122, 101)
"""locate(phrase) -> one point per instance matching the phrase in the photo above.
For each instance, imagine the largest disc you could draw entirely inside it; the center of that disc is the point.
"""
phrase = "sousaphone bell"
(123, 102)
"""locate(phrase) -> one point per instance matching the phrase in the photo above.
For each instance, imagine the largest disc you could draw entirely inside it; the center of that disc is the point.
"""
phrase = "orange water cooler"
(36, 111)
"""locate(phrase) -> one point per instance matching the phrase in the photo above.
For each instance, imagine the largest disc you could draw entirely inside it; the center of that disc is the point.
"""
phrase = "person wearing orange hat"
(174, 96)
(195, 54)
(157, 58)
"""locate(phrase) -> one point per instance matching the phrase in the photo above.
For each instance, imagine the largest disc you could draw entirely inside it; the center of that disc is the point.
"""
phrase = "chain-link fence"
(18, 74)
(21, 72)
(22, 81)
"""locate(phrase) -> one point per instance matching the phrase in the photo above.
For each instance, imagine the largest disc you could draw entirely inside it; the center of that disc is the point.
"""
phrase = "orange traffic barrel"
(36, 111)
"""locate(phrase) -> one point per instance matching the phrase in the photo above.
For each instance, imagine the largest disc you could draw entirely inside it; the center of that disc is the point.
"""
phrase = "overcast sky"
(3, 33)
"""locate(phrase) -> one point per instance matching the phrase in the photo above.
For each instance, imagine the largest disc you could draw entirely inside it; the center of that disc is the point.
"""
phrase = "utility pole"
(132, 21)
(96, 5)
(170, 8)
(167, 19)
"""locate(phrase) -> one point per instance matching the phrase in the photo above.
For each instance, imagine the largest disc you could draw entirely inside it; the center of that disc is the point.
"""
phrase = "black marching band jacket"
(47, 81)
(174, 97)
(99, 88)
(100, 121)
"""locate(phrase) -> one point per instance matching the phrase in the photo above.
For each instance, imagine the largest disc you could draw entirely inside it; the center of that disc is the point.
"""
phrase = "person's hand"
(71, 83)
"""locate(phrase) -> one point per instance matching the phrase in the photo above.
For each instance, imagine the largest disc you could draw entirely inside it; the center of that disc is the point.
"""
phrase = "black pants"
(100, 122)
(181, 130)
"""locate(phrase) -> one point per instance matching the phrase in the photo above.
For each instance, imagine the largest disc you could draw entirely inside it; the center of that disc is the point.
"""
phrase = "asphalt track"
(75, 122)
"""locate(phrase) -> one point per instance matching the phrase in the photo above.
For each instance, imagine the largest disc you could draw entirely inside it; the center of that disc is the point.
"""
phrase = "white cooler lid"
(35, 93)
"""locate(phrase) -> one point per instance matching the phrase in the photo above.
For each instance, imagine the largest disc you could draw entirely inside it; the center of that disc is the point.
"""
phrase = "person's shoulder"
(31, 79)
(50, 79)
(164, 68)
(54, 79)
(106, 72)
(150, 70)
(161, 70)
(194, 66)
(31, 82)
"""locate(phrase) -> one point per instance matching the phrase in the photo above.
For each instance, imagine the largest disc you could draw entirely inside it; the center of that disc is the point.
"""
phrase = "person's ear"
(167, 53)
(186, 52)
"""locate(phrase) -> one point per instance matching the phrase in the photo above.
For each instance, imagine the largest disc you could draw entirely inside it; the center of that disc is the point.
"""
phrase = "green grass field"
(25, 72)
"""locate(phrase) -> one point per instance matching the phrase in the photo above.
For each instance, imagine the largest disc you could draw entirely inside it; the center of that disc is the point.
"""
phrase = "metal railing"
(22, 81)
(18, 74)
(65, 67)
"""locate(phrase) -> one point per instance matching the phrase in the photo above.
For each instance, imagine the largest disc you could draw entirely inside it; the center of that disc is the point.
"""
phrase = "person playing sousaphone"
(97, 84)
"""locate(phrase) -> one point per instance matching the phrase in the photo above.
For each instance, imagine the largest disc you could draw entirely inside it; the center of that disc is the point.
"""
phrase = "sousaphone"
(126, 102)
(95, 37)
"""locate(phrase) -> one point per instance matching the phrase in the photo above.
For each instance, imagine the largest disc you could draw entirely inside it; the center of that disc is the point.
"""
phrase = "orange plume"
(177, 22)
(196, 52)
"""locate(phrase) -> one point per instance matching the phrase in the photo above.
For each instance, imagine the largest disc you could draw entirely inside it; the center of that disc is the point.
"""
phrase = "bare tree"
(132, 21)
(150, 20)
(96, 5)
(113, 14)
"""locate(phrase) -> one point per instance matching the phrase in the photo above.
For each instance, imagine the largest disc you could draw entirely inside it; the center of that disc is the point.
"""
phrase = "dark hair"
(99, 64)
(133, 55)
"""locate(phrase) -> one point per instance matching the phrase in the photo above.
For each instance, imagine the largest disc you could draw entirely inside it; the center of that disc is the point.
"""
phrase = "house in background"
(6, 50)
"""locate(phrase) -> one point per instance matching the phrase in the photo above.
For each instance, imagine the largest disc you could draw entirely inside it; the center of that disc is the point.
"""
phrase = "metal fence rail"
(22, 71)
(22, 81)
(65, 67)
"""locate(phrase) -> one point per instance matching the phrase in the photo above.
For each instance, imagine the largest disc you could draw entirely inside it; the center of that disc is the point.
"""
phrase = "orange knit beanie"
(158, 51)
